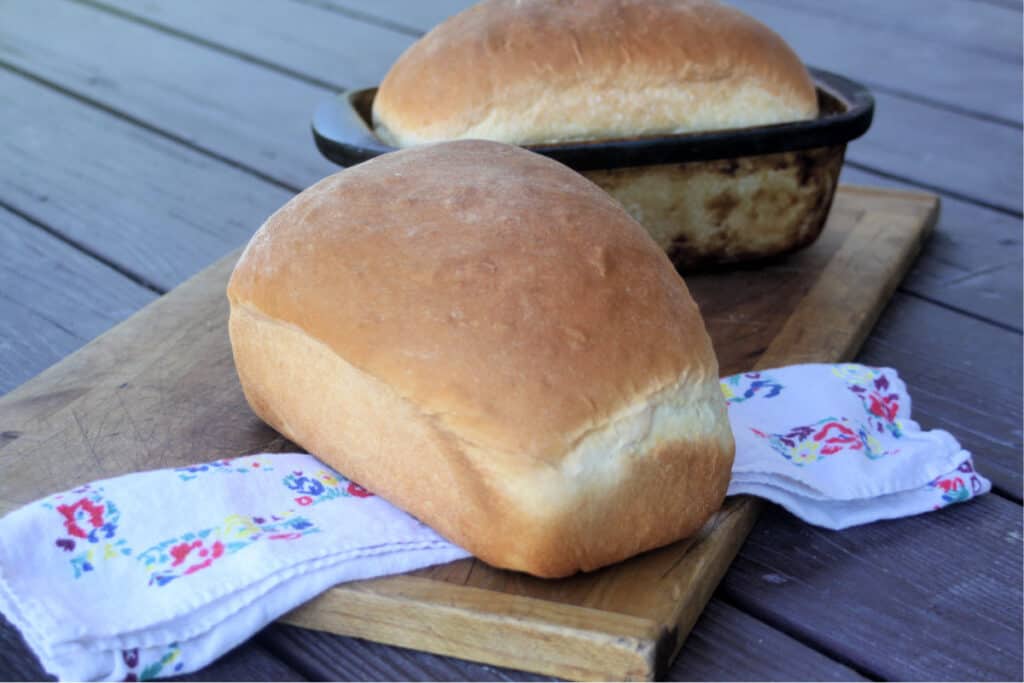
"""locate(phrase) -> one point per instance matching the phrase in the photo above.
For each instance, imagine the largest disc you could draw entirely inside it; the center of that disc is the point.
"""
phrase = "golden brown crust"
(362, 428)
(531, 71)
(487, 340)
(503, 293)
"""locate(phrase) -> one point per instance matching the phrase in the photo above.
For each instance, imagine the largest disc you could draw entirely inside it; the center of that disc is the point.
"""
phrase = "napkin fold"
(835, 445)
(158, 573)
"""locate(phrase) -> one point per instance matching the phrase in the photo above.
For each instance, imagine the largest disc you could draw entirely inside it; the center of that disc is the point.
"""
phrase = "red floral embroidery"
(358, 491)
(948, 485)
(177, 557)
(954, 490)
(304, 500)
(845, 438)
(885, 407)
(206, 556)
(94, 511)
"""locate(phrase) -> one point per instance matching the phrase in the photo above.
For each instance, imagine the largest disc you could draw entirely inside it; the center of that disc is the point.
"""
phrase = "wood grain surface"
(203, 97)
(160, 389)
(974, 259)
(77, 296)
(799, 573)
(204, 207)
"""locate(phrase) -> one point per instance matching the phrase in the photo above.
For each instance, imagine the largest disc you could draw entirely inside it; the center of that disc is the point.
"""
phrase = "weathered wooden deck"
(142, 139)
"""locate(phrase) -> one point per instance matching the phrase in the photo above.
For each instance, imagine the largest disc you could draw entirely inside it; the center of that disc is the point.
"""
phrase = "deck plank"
(972, 262)
(17, 663)
(882, 54)
(53, 299)
(934, 597)
(980, 162)
(158, 210)
(248, 662)
(1008, 4)
(977, 26)
(257, 117)
(712, 653)
(421, 16)
(333, 49)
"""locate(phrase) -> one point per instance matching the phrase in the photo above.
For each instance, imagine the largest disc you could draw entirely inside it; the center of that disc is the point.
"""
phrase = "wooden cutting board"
(159, 390)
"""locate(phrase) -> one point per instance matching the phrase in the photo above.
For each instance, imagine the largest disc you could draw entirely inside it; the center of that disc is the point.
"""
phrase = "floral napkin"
(835, 445)
(158, 573)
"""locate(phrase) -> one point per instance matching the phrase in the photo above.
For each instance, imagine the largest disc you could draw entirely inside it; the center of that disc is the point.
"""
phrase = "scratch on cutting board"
(85, 438)
(131, 421)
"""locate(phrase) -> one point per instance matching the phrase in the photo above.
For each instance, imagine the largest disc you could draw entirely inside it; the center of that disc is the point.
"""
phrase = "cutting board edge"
(463, 620)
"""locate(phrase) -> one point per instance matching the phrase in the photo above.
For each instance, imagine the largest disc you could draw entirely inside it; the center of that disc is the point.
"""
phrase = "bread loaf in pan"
(487, 340)
(559, 75)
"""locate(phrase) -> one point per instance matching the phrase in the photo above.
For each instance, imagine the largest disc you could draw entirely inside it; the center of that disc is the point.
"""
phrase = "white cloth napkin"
(835, 445)
(157, 574)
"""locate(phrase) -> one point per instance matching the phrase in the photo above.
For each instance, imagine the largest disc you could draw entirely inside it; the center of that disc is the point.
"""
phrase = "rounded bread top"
(504, 295)
(546, 71)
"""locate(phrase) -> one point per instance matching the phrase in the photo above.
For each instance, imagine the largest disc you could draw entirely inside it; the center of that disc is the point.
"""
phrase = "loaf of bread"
(537, 71)
(487, 340)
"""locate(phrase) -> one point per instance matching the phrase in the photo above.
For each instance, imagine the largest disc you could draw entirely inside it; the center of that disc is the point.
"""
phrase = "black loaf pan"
(708, 197)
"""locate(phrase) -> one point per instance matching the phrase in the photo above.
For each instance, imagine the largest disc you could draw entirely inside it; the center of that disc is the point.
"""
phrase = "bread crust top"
(505, 295)
(535, 71)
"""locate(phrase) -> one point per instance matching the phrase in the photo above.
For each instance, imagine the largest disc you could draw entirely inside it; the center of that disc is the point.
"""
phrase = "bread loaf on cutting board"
(487, 340)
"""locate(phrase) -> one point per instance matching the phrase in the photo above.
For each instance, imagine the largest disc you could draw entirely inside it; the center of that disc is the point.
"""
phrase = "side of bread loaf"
(487, 340)
(536, 71)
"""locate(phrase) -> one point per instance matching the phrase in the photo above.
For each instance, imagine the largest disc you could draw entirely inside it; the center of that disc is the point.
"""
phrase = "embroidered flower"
(322, 487)
(201, 555)
(92, 520)
(197, 550)
(805, 444)
(874, 390)
(83, 511)
(805, 452)
(742, 387)
(303, 484)
(836, 437)
(885, 407)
